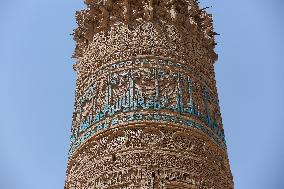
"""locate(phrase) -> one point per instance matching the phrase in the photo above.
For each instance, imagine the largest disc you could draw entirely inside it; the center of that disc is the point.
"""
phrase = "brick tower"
(146, 111)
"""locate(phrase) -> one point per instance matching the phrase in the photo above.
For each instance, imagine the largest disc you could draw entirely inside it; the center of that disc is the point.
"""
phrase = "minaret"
(146, 112)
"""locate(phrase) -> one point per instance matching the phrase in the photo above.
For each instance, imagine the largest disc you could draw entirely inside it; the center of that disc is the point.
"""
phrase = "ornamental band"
(146, 113)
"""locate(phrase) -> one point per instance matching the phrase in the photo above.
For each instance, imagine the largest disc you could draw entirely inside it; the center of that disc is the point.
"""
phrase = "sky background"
(37, 86)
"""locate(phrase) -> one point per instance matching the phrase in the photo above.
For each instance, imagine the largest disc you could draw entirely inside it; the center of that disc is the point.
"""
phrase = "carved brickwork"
(145, 154)
(146, 112)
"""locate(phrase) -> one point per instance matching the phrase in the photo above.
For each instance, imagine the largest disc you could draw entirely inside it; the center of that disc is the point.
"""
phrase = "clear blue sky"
(37, 90)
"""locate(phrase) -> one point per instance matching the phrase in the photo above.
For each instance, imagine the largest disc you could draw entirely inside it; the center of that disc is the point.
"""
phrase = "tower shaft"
(146, 111)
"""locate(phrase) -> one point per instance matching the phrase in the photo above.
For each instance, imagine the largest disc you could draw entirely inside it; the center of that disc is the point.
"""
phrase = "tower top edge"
(100, 15)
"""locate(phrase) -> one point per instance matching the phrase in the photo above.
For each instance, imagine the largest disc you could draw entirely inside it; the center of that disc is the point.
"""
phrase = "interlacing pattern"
(146, 111)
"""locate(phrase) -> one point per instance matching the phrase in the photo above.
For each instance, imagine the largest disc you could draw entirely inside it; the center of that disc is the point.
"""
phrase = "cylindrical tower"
(146, 111)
